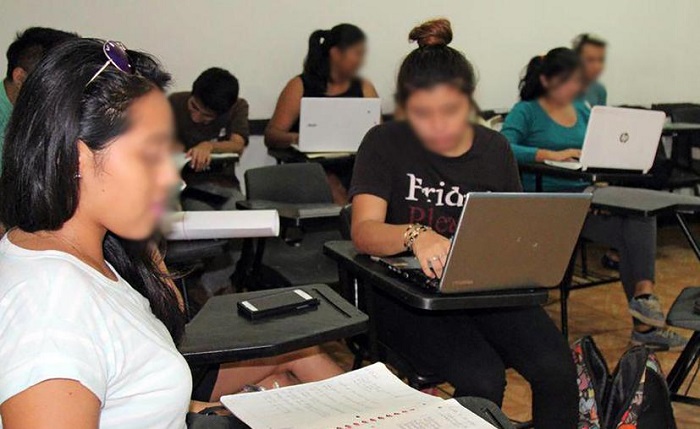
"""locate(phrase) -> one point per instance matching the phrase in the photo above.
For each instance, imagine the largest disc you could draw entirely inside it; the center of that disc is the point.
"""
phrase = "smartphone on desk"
(277, 303)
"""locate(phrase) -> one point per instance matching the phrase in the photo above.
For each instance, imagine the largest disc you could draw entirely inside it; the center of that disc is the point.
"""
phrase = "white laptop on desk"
(336, 124)
(619, 139)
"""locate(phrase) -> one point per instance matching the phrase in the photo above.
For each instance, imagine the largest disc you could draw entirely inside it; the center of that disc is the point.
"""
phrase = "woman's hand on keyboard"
(558, 156)
(431, 249)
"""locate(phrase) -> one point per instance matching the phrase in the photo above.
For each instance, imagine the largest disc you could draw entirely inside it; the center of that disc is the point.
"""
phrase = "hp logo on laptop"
(624, 137)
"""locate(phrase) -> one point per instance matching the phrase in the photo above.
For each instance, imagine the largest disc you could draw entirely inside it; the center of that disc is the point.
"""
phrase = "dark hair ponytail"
(433, 62)
(55, 109)
(559, 62)
(317, 67)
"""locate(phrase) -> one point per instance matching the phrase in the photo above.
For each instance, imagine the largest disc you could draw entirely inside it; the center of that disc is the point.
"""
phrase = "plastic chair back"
(289, 183)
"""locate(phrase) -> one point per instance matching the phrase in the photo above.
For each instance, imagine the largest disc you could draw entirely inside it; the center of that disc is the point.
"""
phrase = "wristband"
(411, 234)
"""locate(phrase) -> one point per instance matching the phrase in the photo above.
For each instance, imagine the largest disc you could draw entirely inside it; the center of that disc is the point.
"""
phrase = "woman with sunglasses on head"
(331, 69)
(407, 193)
(90, 318)
(549, 124)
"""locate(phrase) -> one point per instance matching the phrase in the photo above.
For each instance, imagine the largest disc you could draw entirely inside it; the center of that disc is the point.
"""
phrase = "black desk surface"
(642, 202)
(292, 211)
(292, 154)
(363, 267)
(680, 127)
(218, 334)
(286, 155)
(593, 176)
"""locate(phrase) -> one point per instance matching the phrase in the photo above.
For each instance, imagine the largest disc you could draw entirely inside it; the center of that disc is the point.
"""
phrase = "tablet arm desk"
(291, 216)
(218, 334)
(356, 269)
(645, 202)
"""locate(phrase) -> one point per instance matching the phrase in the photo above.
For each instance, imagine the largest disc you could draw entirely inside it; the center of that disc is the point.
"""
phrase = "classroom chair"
(689, 114)
(578, 276)
(684, 315)
(296, 257)
(669, 108)
(184, 258)
(416, 377)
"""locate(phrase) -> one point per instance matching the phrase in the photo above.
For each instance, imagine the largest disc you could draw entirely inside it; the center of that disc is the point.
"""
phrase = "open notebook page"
(371, 397)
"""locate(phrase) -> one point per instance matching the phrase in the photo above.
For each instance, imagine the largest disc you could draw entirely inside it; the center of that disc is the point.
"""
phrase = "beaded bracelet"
(412, 233)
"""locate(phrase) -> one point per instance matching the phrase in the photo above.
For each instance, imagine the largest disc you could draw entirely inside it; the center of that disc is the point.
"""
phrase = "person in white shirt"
(88, 316)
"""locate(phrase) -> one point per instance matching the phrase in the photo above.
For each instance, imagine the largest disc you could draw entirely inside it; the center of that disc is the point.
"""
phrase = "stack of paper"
(368, 398)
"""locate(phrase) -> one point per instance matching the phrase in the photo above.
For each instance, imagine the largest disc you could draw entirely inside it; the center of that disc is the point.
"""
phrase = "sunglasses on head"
(116, 56)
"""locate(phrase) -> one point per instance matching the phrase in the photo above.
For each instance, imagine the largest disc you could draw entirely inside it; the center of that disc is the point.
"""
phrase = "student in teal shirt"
(595, 94)
(535, 137)
(592, 50)
(549, 123)
(5, 111)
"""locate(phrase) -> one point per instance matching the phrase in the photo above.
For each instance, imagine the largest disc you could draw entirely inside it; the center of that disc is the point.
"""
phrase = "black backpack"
(635, 396)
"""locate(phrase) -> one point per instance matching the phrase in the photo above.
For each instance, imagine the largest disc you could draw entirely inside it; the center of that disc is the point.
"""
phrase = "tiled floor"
(602, 313)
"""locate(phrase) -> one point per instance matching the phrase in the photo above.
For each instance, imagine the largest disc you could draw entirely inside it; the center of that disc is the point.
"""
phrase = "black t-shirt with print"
(423, 187)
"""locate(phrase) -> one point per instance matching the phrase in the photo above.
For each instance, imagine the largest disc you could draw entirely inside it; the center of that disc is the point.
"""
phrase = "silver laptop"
(506, 241)
(619, 139)
(336, 124)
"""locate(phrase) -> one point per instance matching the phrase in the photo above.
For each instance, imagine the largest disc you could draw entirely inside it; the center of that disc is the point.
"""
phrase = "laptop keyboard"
(417, 277)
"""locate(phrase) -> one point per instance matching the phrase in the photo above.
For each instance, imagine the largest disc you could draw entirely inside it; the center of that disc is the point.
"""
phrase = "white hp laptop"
(505, 241)
(619, 139)
(336, 124)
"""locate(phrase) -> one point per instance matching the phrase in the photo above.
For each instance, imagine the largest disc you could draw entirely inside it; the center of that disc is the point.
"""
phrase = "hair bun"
(436, 32)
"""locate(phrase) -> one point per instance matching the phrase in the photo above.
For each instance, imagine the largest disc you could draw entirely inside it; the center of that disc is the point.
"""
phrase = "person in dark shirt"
(410, 180)
(331, 69)
(210, 119)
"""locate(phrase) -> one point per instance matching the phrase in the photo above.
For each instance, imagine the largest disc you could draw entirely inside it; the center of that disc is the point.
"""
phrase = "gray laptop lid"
(514, 240)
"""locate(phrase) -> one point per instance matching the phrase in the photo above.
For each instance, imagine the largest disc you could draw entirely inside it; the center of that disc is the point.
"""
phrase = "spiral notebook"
(371, 397)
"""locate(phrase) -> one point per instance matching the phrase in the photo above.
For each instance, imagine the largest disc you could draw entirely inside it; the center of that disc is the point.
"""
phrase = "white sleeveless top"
(60, 318)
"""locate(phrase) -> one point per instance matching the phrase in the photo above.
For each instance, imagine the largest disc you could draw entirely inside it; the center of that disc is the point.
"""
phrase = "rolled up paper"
(207, 225)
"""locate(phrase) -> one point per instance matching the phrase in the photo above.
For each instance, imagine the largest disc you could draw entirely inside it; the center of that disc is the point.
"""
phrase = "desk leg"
(370, 308)
(680, 371)
(256, 275)
(348, 286)
(241, 275)
(565, 290)
(349, 289)
(688, 234)
(539, 187)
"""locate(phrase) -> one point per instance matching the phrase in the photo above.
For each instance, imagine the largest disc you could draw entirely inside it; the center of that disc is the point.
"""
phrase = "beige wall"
(654, 54)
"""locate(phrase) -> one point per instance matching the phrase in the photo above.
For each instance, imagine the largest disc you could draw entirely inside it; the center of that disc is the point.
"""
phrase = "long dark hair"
(434, 62)
(39, 185)
(317, 68)
(559, 62)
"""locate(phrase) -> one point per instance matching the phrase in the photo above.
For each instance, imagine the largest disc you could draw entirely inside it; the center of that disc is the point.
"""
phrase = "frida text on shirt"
(434, 197)
(452, 197)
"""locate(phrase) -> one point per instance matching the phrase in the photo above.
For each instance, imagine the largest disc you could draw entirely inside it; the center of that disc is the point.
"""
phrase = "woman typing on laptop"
(331, 69)
(549, 124)
(408, 188)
